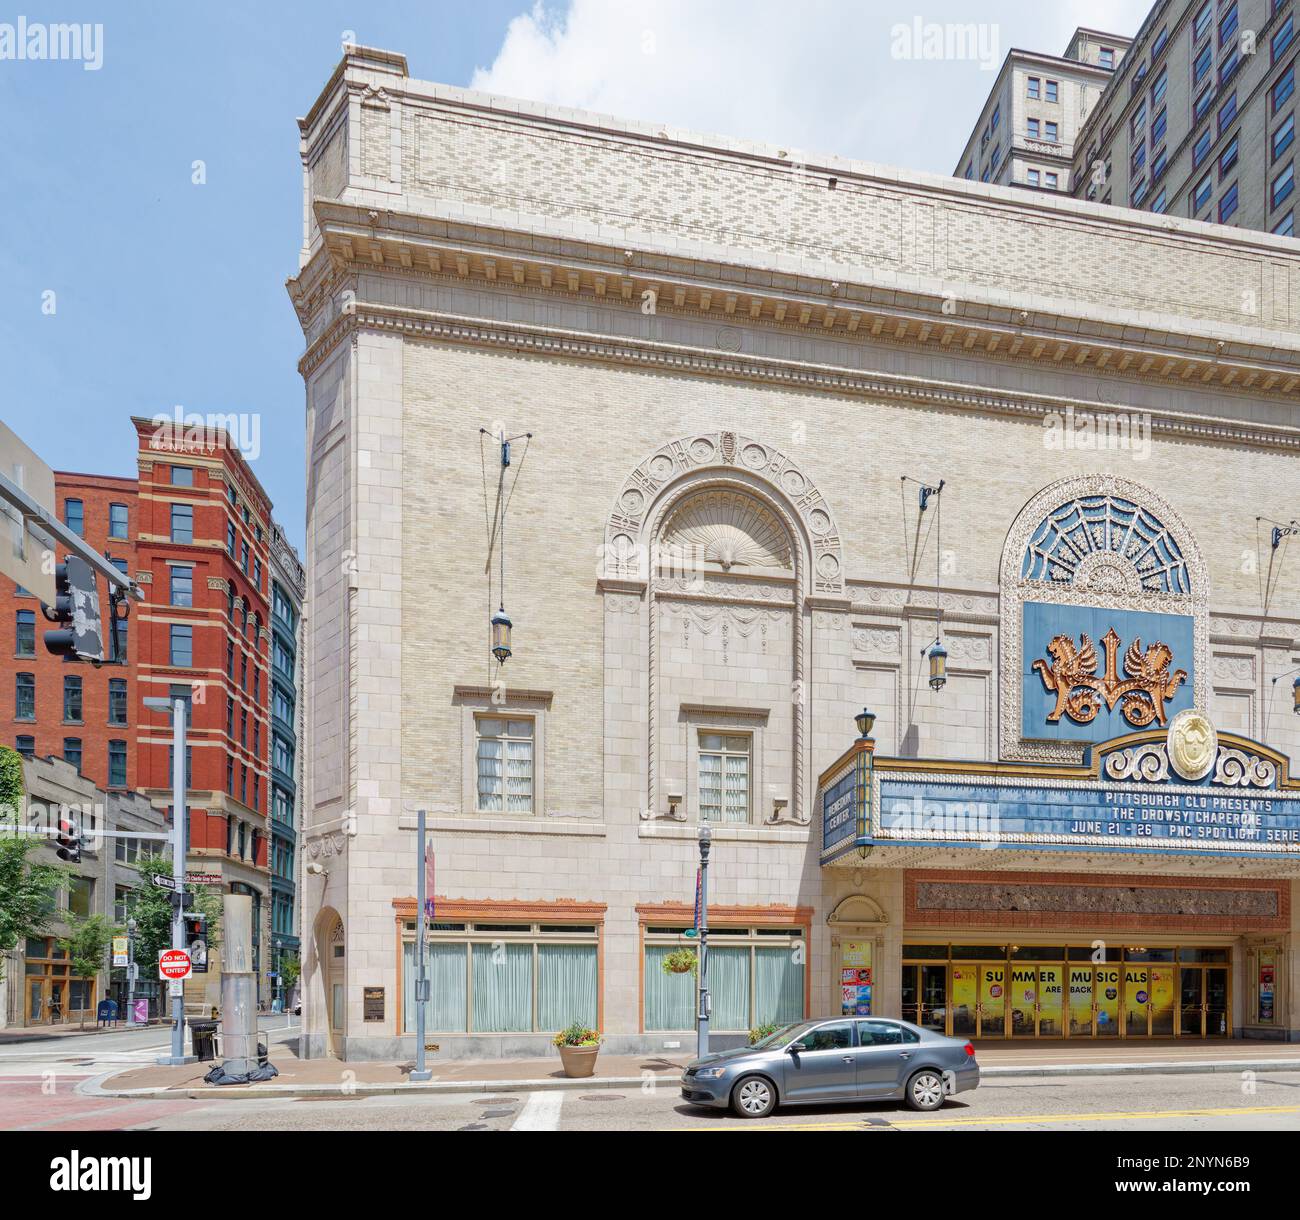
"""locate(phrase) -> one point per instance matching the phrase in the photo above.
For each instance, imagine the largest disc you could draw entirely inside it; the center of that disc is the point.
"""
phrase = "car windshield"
(779, 1037)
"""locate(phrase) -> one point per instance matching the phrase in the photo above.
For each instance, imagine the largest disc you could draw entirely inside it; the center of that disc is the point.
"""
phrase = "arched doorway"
(331, 960)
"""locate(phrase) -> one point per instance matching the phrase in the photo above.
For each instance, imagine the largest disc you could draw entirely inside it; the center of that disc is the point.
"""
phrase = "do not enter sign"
(174, 964)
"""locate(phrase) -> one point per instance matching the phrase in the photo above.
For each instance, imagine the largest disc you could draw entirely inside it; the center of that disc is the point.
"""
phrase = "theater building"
(808, 436)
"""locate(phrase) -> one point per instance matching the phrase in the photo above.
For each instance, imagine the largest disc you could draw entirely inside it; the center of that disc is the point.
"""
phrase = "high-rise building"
(1199, 121)
(1028, 128)
(288, 589)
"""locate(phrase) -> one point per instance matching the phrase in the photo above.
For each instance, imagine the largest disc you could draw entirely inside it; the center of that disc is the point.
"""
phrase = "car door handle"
(847, 1058)
(904, 1054)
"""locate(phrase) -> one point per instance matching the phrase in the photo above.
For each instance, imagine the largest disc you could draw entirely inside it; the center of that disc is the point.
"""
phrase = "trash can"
(204, 1036)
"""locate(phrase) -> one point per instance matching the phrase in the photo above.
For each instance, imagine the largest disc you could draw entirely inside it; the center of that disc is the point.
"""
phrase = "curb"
(95, 1087)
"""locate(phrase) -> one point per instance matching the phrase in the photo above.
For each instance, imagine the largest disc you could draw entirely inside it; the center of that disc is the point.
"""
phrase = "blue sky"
(169, 293)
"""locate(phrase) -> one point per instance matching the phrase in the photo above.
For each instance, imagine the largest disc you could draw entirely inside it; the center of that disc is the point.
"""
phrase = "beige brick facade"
(721, 355)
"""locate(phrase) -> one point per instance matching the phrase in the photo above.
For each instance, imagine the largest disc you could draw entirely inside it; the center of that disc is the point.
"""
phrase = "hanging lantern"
(938, 666)
(865, 720)
(1295, 696)
(501, 635)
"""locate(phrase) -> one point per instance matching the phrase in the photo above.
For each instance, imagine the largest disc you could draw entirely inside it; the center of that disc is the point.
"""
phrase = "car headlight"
(710, 1073)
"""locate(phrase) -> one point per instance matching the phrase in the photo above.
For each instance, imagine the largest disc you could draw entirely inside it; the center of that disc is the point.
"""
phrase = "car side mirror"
(792, 1049)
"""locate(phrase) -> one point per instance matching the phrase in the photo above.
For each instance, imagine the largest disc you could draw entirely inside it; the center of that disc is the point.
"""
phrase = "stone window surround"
(696, 718)
(475, 701)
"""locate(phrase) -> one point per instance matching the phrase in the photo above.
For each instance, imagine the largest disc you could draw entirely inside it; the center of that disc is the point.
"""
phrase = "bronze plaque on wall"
(373, 1004)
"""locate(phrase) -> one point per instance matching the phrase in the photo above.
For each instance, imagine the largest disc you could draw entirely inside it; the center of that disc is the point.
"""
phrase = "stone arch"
(787, 519)
(776, 476)
(858, 910)
(1124, 546)
(326, 1019)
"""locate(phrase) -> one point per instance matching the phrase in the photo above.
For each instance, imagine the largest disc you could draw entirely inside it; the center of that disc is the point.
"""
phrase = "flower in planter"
(680, 961)
(759, 1032)
(579, 1035)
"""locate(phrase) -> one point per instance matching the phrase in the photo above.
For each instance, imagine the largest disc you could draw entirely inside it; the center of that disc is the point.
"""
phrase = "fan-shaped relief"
(735, 531)
(730, 530)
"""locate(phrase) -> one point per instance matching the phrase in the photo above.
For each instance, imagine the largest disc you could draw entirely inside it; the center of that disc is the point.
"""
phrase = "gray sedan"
(841, 1060)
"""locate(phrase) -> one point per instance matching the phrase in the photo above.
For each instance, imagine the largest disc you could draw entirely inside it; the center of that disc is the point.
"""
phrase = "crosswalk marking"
(541, 1112)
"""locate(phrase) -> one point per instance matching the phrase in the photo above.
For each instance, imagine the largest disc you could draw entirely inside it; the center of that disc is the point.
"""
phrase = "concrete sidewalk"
(1000, 1060)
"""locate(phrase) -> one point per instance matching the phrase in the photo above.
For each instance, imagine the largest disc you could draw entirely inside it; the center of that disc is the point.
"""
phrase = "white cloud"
(816, 76)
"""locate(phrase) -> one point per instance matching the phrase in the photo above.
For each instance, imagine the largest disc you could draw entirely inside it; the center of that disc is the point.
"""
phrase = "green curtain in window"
(729, 988)
(445, 1012)
(669, 998)
(503, 988)
(778, 986)
(566, 986)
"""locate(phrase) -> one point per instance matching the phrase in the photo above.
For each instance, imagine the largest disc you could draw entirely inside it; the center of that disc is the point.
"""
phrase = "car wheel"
(753, 1097)
(924, 1090)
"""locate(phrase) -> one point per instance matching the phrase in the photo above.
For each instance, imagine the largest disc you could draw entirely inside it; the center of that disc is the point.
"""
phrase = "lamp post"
(130, 971)
(702, 970)
(180, 843)
(277, 992)
(865, 720)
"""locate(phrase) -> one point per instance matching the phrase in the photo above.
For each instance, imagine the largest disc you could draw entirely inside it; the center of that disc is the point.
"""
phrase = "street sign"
(120, 951)
(164, 882)
(174, 965)
(132, 972)
(25, 556)
(175, 988)
(203, 878)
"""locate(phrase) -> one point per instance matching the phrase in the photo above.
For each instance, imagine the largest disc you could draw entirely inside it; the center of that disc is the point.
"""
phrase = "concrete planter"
(579, 1061)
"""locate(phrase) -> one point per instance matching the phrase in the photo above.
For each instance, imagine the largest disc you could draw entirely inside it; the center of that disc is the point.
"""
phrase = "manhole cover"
(601, 1097)
(495, 1101)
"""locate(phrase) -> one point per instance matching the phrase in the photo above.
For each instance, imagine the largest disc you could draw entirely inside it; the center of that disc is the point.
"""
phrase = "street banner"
(699, 891)
(120, 951)
(428, 883)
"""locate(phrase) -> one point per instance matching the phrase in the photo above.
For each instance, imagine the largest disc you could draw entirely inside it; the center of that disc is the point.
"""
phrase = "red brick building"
(193, 531)
(72, 711)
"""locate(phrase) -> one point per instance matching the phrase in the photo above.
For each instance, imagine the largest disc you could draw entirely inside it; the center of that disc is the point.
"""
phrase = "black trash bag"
(264, 1071)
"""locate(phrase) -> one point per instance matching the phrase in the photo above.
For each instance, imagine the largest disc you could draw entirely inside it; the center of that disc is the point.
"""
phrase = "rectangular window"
(1159, 44)
(243, 796)
(117, 764)
(1231, 62)
(72, 751)
(756, 976)
(182, 645)
(182, 585)
(1228, 203)
(1201, 147)
(243, 556)
(1201, 26)
(1228, 157)
(72, 698)
(230, 659)
(81, 896)
(1286, 226)
(1053, 91)
(995, 159)
(117, 521)
(1283, 88)
(121, 903)
(1227, 26)
(25, 633)
(1160, 202)
(182, 523)
(1201, 196)
(1283, 185)
(1139, 119)
(1138, 193)
(1032, 177)
(126, 851)
(1107, 57)
(1201, 64)
(189, 766)
(1032, 89)
(182, 476)
(724, 777)
(1033, 129)
(1159, 161)
(1050, 179)
(257, 573)
(230, 538)
(25, 745)
(997, 117)
(243, 727)
(1284, 136)
(25, 697)
(74, 516)
(1227, 112)
(230, 717)
(1158, 89)
(1050, 129)
(1139, 159)
(505, 764)
(117, 701)
(1282, 39)
(185, 694)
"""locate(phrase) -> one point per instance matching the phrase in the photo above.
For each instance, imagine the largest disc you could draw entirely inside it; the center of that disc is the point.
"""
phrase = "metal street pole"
(702, 972)
(180, 845)
(421, 1071)
(130, 971)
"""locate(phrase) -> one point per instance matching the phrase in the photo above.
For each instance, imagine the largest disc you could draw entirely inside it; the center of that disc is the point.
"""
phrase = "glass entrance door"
(1191, 1002)
(925, 996)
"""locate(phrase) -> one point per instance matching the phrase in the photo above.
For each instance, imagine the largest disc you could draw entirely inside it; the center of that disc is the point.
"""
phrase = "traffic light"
(69, 841)
(196, 941)
(76, 608)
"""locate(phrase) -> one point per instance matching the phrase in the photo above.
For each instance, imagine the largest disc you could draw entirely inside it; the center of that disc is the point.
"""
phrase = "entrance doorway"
(1057, 992)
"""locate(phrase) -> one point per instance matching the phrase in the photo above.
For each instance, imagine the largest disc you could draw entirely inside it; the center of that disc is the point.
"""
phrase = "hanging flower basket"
(680, 961)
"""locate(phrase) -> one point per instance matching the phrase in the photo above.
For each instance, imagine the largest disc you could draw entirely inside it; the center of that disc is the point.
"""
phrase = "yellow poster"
(1137, 995)
(1051, 1001)
(965, 992)
(856, 953)
(1162, 999)
(1080, 1000)
(1024, 999)
(1107, 997)
(992, 1000)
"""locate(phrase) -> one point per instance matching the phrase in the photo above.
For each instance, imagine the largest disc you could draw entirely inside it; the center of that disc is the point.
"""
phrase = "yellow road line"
(1101, 1116)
